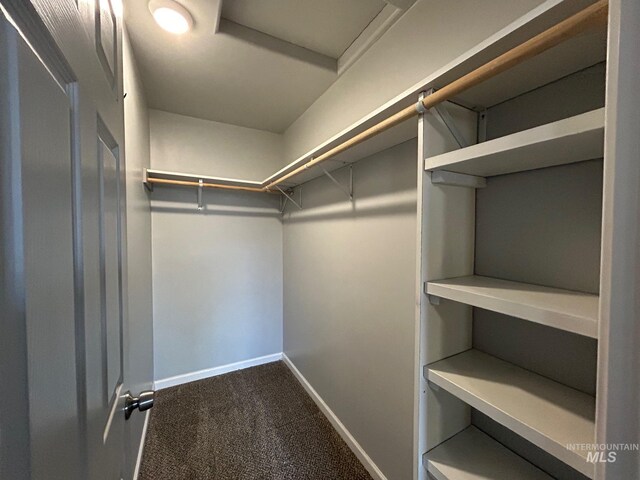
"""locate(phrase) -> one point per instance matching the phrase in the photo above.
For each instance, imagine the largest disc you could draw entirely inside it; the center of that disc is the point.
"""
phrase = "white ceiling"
(266, 64)
(325, 26)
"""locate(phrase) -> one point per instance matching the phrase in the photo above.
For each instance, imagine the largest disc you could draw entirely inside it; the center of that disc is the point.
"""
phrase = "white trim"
(212, 372)
(114, 407)
(359, 452)
(136, 471)
(371, 34)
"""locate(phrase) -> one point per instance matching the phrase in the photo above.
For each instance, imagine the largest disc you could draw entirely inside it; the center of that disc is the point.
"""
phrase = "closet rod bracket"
(200, 188)
(348, 192)
(442, 114)
(145, 180)
(290, 198)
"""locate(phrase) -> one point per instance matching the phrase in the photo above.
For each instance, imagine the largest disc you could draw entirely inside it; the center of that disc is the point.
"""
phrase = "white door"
(63, 320)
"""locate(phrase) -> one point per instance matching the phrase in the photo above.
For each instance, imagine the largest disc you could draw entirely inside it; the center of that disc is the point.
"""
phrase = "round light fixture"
(171, 16)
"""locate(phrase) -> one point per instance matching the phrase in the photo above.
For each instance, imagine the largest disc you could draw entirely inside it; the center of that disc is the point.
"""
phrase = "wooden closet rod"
(207, 185)
(592, 16)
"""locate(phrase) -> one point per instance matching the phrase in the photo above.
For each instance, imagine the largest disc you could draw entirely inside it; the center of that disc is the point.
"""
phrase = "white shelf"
(192, 177)
(563, 309)
(474, 455)
(547, 413)
(566, 141)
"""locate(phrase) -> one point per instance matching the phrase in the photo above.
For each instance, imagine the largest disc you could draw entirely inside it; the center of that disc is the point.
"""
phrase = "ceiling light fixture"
(171, 16)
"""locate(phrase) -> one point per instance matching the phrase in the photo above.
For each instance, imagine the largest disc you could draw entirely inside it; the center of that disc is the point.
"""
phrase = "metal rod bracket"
(283, 204)
(348, 192)
(420, 108)
(290, 198)
(200, 188)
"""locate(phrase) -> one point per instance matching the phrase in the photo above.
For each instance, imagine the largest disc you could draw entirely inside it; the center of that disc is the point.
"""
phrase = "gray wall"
(217, 274)
(542, 227)
(349, 274)
(192, 145)
(139, 335)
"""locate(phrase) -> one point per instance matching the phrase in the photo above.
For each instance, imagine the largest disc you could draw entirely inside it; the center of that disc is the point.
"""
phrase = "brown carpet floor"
(257, 423)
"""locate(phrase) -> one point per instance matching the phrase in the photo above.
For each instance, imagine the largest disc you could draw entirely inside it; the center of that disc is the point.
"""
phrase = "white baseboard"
(212, 372)
(136, 472)
(359, 452)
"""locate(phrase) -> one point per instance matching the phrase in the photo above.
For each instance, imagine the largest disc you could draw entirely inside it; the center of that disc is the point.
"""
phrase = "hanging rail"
(186, 183)
(592, 16)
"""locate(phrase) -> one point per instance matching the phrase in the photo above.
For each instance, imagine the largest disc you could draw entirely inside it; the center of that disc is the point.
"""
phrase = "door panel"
(46, 169)
(106, 38)
(110, 267)
(110, 263)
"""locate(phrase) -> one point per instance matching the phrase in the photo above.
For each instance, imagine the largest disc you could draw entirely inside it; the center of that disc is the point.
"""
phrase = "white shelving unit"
(547, 413)
(474, 455)
(453, 378)
(571, 311)
(566, 141)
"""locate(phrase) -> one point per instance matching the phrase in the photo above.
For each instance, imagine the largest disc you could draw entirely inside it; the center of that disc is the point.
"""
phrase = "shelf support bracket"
(200, 188)
(283, 204)
(442, 177)
(433, 386)
(433, 299)
(349, 192)
(442, 114)
(288, 197)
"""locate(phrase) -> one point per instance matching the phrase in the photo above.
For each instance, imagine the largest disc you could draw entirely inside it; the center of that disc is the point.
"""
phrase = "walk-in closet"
(320, 239)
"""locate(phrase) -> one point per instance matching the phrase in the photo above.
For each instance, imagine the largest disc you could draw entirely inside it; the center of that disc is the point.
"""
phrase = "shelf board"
(546, 413)
(474, 455)
(563, 309)
(192, 177)
(570, 140)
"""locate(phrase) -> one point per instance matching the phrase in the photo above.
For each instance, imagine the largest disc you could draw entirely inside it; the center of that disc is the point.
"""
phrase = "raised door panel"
(111, 306)
(106, 38)
(46, 170)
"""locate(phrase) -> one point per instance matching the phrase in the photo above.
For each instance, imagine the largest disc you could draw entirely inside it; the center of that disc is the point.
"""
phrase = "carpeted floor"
(257, 423)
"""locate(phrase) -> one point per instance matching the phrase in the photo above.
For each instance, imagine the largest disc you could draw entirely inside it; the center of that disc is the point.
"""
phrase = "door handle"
(142, 402)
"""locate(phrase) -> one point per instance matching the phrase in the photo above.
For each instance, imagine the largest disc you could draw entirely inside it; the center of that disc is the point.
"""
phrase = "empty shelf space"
(563, 309)
(546, 413)
(474, 455)
(566, 141)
